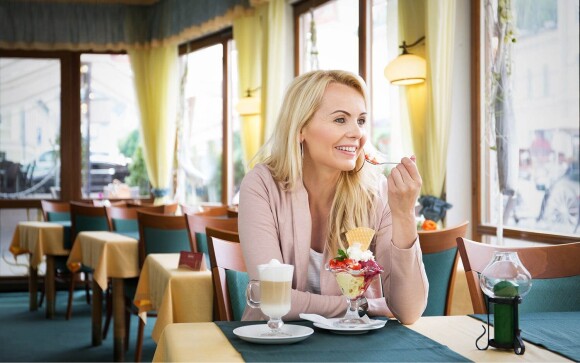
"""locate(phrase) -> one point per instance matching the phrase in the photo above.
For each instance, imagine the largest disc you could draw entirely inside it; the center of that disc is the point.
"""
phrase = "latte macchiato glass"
(271, 293)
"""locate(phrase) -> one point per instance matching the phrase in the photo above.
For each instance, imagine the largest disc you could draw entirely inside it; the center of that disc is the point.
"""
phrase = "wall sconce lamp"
(249, 105)
(407, 68)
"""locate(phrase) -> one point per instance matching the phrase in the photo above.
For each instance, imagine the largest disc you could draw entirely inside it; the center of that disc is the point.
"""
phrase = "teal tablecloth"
(558, 332)
(393, 343)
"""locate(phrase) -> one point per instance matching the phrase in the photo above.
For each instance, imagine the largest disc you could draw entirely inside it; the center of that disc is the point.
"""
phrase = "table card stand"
(194, 261)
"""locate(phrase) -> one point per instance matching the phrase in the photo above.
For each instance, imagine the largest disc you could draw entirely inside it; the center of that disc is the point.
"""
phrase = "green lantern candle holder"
(505, 281)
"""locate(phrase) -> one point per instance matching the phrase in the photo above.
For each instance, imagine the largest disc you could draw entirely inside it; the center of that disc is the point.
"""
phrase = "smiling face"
(336, 134)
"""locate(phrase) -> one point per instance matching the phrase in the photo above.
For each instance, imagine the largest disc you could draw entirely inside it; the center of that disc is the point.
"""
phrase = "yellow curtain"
(429, 104)
(440, 51)
(156, 75)
(274, 61)
(261, 41)
(248, 38)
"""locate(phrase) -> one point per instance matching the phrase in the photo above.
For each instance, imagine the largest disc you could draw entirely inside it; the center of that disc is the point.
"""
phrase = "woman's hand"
(404, 184)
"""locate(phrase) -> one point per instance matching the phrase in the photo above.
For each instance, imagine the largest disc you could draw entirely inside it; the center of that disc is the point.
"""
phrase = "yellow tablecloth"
(178, 295)
(109, 254)
(38, 239)
(204, 342)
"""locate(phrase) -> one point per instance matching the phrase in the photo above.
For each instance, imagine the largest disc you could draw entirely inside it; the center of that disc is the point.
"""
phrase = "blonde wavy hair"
(356, 190)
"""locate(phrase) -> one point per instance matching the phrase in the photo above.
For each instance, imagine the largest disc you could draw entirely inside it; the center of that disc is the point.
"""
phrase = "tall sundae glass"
(354, 270)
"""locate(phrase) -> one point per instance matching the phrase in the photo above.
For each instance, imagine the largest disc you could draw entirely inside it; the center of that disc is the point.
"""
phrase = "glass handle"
(250, 294)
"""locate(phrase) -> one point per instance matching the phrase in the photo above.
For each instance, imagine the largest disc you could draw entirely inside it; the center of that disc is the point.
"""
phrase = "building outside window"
(539, 98)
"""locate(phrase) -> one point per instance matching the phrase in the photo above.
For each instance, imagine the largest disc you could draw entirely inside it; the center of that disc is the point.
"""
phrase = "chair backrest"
(233, 211)
(555, 272)
(440, 260)
(55, 211)
(229, 273)
(86, 217)
(161, 233)
(124, 219)
(170, 208)
(214, 211)
(58, 212)
(197, 224)
(108, 203)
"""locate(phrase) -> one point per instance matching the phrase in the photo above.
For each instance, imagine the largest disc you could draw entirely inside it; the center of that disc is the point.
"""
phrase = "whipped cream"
(354, 252)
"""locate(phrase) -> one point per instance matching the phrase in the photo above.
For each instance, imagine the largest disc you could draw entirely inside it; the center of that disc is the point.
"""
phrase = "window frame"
(480, 229)
(364, 14)
(70, 117)
(222, 37)
(70, 124)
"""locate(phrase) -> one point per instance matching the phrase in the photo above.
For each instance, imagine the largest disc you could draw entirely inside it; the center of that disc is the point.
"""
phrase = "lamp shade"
(248, 106)
(406, 69)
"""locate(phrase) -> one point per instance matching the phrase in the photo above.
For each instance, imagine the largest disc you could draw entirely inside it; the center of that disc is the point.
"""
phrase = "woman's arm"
(405, 284)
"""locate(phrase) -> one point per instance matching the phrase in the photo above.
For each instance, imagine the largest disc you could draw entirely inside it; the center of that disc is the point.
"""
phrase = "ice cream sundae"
(354, 270)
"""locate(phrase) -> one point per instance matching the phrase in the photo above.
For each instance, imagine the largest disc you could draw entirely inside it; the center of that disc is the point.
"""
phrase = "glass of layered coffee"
(271, 293)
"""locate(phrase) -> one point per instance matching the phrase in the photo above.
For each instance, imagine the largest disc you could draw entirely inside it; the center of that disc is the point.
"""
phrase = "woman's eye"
(362, 121)
(340, 120)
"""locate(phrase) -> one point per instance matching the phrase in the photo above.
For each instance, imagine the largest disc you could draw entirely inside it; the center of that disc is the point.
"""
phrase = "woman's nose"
(355, 130)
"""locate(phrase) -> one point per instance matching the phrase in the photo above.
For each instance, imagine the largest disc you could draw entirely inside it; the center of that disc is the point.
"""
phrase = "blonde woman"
(311, 187)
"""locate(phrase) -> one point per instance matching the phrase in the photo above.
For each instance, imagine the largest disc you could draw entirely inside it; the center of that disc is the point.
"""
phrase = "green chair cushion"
(166, 241)
(91, 223)
(237, 282)
(125, 225)
(438, 267)
(58, 216)
(202, 246)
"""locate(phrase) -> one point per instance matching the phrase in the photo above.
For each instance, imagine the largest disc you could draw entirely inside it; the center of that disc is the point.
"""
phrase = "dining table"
(431, 338)
(41, 240)
(177, 294)
(111, 256)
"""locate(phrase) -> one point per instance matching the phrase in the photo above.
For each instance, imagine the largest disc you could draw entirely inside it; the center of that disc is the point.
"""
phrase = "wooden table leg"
(49, 289)
(97, 313)
(33, 288)
(119, 330)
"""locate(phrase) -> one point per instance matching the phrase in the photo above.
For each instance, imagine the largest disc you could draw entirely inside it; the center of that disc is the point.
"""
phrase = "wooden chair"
(233, 211)
(123, 220)
(53, 211)
(214, 211)
(197, 224)
(555, 272)
(158, 233)
(84, 217)
(440, 259)
(108, 203)
(229, 273)
(168, 209)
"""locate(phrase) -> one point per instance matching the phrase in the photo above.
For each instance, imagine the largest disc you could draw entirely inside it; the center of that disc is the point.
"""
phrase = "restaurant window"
(529, 114)
(329, 36)
(387, 130)
(30, 119)
(112, 159)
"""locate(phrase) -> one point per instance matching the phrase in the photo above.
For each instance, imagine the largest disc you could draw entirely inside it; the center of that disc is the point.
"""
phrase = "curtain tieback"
(159, 192)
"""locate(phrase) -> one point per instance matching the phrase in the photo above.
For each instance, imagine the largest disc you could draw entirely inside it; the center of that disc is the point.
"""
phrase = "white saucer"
(253, 333)
(343, 330)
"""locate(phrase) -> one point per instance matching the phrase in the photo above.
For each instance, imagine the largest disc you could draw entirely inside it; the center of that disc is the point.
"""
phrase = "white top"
(314, 272)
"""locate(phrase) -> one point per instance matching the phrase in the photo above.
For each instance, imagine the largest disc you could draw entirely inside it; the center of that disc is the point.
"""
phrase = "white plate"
(342, 330)
(253, 333)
